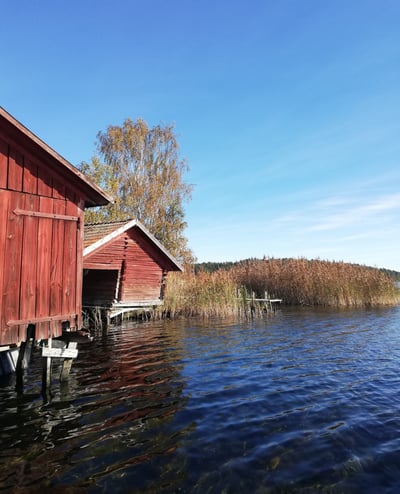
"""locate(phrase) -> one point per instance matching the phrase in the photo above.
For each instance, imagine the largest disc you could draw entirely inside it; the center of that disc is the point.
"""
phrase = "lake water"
(303, 401)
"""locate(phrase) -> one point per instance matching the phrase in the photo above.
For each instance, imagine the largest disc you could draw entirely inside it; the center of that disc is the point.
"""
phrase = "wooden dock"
(255, 305)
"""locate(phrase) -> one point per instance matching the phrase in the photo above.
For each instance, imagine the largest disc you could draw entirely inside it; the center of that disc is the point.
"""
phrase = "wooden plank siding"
(134, 255)
(28, 294)
(41, 237)
(3, 164)
(12, 266)
(78, 260)
(141, 278)
(4, 208)
(30, 183)
(71, 298)
(45, 235)
(15, 170)
(57, 254)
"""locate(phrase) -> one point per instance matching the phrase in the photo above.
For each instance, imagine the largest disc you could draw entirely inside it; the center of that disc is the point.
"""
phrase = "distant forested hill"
(393, 274)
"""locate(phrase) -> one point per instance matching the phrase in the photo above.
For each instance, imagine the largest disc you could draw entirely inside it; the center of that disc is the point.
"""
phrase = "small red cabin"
(124, 266)
(42, 202)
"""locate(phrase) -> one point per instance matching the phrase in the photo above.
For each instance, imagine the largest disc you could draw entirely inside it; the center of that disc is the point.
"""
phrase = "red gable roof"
(94, 195)
(97, 235)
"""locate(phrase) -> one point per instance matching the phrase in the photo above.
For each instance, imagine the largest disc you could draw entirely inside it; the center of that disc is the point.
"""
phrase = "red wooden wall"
(41, 239)
(140, 270)
(142, 274)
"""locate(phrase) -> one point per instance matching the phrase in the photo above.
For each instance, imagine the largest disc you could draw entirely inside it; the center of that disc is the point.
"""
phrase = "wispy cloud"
(354, 215)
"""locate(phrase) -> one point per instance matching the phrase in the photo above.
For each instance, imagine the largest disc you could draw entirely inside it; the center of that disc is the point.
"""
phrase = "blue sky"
(287, 111)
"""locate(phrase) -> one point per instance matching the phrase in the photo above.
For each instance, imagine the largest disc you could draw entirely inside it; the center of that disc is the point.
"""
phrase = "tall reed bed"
(317, 282)
(202, 294)
(296, 281)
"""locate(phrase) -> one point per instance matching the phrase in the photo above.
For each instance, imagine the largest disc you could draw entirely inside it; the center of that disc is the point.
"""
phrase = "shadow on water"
(304, 401)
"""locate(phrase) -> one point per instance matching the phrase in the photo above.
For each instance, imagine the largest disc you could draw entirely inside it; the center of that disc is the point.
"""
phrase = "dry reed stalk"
(208, 295)
(316, 282)
(297, 281)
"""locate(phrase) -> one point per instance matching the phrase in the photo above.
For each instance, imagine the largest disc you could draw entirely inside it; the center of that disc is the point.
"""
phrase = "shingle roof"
(97, 231)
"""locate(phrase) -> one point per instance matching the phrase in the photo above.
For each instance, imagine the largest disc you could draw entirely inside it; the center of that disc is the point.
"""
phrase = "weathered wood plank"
(4, 208)
(30, 179)
(52, 216)
(73, 274)
(103, 266)
(78, 264)
(59, 352)
(70, 274)
(45, 182)
(45, 234)
(29, 259)
(3, 163)
(35, 320)
(12, 264)
(66, 368)
(15, 170)
(56, 267)
(58, 189)
(142, 276)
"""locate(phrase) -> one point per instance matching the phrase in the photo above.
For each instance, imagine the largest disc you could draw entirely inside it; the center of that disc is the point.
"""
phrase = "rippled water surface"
(303, 401)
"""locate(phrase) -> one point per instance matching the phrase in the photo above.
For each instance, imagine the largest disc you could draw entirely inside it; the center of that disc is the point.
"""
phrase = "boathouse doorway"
(100, 287)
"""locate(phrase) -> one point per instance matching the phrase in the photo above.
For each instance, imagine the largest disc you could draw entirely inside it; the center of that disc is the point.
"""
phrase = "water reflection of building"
(118, 417)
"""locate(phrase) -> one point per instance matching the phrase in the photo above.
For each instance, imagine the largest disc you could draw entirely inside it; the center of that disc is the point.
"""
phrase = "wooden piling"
(67, 363)
(46, 373)
(24, 356)
(57, 349)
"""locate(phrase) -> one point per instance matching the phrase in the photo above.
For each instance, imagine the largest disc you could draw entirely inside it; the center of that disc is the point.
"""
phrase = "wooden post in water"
(268, 303)
(24, 356)
(67, 363)
(58, 349)
(46, 372)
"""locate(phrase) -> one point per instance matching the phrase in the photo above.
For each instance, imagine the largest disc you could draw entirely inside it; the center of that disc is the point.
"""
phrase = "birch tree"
(142, 169)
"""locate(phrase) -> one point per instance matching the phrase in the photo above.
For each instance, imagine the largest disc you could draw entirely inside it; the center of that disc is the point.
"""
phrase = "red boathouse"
(125, 267)
(42, 202)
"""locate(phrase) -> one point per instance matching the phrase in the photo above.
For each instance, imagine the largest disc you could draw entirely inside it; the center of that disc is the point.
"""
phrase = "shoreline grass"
(296, 281)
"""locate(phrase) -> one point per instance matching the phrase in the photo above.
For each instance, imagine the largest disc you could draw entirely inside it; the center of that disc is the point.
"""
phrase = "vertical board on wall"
(79, 260)
(3, 164)
(45, 233)
(30, 181)
(15, 170)
(142, 277)
(29, 262)
(56, 259)
(4, 207)
(45, 187)
(12, 266)
(69, 266)
(58, 189)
